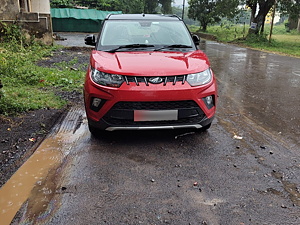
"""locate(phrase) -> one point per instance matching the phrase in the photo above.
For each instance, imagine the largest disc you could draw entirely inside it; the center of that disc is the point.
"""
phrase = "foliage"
(211, 11)
(282, 42)
(228, 31)
(165, 6)
(279, 29)
(263, 7)
(285, 44)
(27, 86)
(254, 39)
(16, 100)
(243, 17)
(193, 28)
(12, 33)
(178, 11)
(205, 11)
(61, 4)
(286, 7)
(291, 8)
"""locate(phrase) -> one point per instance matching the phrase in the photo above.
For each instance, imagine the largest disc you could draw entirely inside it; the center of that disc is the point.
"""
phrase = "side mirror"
(90, 40)
(196, 39)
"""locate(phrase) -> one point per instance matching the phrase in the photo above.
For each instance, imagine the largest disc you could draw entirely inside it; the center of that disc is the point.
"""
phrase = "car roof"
(142, 17)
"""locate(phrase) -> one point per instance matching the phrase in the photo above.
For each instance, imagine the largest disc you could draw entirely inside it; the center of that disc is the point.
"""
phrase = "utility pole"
(183, 9)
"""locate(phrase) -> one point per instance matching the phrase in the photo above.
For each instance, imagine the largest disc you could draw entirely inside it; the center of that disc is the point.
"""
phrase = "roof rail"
(108, 16)
(172, 15)
(137, 16)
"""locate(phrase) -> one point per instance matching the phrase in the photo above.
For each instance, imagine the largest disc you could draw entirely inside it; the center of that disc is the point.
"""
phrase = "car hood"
(150, 63)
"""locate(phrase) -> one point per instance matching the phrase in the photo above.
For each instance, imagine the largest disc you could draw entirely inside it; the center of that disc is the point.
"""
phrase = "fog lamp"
(96, 102)
(209, 100)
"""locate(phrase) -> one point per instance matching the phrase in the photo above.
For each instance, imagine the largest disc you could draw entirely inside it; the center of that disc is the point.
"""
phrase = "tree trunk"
(263, 27)
(298, 28)
(259, 20)
(253, 12)
(204, 27)
(292, 23)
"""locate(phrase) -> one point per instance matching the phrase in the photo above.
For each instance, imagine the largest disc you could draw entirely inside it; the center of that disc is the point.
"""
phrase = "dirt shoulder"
(20, 135)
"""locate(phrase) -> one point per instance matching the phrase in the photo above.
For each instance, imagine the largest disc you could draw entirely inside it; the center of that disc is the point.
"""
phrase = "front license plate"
(158, 115)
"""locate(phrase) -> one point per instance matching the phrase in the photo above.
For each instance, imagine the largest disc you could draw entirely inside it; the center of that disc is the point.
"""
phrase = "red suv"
(146, 72)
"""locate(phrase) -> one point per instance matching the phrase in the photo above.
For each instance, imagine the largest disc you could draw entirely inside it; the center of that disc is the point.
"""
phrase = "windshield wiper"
(129, 46)
(173, 46)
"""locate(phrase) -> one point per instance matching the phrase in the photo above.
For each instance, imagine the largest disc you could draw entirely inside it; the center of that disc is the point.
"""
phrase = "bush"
(27, 86)
(12, 34)
(228, 31)
(254, 38)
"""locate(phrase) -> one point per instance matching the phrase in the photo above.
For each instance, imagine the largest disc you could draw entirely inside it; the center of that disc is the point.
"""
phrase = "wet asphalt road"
(244, 170)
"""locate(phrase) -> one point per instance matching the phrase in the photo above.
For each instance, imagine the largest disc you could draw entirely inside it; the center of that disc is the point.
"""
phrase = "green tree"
(166, 6)
(292, 9)
(126, 6)
(129, 6)
(107, 5)
(150, 6)
(60, 4)
(211, 11)
(178, 11)
(258, 19)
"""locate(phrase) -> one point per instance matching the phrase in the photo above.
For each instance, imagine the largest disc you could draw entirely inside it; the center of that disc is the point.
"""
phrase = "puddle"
(47, 157)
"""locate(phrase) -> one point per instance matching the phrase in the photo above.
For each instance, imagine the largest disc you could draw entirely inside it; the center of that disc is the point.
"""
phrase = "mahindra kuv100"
(146, 72)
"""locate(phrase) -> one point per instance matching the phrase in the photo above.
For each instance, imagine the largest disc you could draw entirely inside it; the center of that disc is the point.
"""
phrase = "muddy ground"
(21, 134)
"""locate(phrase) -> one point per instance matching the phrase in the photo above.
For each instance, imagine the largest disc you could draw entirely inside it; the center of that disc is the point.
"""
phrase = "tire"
(94, 131)
(205, 128)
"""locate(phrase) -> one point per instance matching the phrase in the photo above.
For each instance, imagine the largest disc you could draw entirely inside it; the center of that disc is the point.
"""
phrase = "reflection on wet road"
(244, 170)
(265, 87)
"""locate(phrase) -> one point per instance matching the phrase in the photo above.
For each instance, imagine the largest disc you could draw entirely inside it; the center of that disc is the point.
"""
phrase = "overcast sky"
(180, 2)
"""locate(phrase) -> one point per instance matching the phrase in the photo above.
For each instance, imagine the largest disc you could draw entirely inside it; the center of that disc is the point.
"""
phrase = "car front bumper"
(119, 106)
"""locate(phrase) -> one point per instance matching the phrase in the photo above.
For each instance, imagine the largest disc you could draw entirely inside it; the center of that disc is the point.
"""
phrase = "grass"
(27, 86)
(22, 99)
(282, 42)
(287, 38)
(228, 32)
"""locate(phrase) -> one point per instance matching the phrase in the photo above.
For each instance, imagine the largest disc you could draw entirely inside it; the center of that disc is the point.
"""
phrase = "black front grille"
(165, 79)
(122, 113)
(154, 105)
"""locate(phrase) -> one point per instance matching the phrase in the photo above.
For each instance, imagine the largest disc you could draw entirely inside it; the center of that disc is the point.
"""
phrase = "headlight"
(201, 78)
(106, 79)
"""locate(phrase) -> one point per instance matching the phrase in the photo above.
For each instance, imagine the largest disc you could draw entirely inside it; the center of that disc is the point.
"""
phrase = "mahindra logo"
(155, 80)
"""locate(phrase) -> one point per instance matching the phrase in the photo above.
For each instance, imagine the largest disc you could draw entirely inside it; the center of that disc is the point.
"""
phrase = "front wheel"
(205, 128)
(95, 131)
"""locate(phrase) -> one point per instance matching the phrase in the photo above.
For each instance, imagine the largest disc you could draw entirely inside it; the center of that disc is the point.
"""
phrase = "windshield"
(145, 33)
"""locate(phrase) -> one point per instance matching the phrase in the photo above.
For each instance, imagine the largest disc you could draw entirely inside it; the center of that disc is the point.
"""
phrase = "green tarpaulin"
(78, 20)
